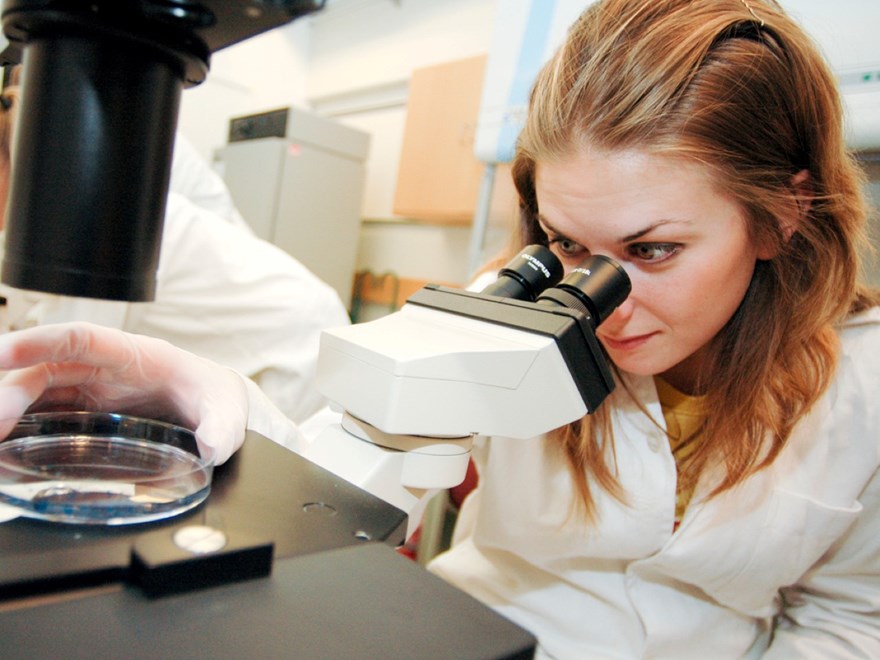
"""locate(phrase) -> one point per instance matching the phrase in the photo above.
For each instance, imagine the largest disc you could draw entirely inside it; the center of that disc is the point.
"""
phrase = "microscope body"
(418, 385)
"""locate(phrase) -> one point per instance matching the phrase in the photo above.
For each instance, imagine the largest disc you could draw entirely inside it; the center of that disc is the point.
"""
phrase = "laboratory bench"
(310, 570)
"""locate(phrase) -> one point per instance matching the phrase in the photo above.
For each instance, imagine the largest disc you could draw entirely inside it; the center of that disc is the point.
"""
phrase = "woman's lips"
(626, 343)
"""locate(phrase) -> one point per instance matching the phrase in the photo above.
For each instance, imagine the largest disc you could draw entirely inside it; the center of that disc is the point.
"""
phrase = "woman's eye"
(566, 247)
(652, 252)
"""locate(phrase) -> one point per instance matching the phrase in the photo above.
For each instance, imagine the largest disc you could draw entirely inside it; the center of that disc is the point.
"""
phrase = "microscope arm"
(405, 471)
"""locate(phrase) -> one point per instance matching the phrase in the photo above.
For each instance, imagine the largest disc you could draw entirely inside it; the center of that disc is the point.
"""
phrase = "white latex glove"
(82, 366)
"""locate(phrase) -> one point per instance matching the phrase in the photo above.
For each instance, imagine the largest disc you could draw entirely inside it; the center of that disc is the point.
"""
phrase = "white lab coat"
(223, 294)
(804, 532)
(193, 178)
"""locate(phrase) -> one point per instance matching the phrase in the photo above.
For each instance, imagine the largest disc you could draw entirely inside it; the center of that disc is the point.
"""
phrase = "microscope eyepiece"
(596, 288)
(526, 275)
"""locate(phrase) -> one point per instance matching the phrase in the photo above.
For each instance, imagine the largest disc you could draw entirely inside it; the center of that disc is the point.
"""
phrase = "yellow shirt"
(683, 414)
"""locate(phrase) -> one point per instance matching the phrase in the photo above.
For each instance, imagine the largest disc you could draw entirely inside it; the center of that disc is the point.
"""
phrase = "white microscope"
(517, 359)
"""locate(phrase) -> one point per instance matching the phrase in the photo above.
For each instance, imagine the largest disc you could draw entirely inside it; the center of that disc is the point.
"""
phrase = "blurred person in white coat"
(195, 179)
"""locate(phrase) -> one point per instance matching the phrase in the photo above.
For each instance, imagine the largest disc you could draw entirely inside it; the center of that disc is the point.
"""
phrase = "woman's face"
(684, 246)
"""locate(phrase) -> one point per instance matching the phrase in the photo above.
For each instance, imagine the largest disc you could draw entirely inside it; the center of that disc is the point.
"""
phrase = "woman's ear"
(801, 186)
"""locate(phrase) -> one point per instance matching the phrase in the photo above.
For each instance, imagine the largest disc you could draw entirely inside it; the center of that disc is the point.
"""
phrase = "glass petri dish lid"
(101, 469)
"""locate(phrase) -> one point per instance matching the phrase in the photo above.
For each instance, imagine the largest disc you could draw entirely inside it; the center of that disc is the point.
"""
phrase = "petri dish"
(101, 469)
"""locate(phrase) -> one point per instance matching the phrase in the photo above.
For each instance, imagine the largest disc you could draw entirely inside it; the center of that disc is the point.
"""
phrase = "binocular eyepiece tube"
(596, 287)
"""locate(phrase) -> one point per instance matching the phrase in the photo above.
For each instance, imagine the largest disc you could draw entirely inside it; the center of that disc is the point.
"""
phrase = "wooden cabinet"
(439, 177)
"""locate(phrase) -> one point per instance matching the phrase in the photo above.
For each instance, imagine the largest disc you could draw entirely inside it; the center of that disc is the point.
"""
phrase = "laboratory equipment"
(101, 83)
(308, 571)
(418, 385)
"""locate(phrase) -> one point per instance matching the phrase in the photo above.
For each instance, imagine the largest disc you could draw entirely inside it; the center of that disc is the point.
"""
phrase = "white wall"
(364, 43)
(846, 31)
(261, 73)
(351, 61)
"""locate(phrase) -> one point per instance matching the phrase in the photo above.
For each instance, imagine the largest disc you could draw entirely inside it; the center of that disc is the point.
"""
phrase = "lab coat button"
(654, 444)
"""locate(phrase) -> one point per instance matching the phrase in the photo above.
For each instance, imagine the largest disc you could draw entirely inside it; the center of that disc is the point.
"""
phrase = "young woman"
(724, 501)
(720, 493)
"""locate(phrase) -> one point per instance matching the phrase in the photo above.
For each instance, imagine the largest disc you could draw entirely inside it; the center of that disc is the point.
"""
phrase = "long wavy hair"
(737, 86)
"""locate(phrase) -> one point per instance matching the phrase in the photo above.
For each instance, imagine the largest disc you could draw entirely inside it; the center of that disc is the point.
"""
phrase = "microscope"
(100, 90)
(516, 360)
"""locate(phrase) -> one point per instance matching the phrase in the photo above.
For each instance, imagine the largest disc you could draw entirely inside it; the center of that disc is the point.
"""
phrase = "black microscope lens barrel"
(598, 285)
(525, 276)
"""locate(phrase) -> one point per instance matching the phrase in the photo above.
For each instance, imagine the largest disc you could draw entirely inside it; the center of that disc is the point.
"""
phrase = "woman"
(722, 502)
(700, 145)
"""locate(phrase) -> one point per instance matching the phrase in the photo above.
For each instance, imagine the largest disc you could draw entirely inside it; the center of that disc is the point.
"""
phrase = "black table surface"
(264, 492)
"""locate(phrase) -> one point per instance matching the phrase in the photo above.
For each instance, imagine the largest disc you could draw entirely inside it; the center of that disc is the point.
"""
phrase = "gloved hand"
(82, 366)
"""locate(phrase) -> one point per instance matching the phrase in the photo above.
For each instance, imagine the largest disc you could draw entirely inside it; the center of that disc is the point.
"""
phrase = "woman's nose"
(620, 316)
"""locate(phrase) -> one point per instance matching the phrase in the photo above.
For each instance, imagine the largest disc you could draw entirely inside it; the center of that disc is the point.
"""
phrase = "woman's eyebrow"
(626, 239)
(639, 234)
(647, 230)
(548, 226)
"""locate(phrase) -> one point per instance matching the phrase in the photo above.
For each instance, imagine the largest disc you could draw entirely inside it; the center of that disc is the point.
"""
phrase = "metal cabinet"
(298, 180)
